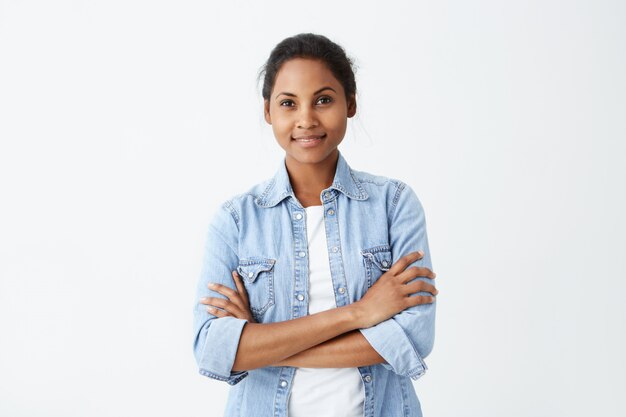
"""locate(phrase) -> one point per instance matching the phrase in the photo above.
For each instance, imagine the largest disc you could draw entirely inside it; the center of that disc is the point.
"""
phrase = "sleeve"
(405, 339)
(216, 339)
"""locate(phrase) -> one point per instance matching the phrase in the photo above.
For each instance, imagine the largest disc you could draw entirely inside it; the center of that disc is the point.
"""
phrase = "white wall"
(124, 124)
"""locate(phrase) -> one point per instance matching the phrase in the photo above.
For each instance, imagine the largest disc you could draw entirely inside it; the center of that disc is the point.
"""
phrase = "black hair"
(309, 45)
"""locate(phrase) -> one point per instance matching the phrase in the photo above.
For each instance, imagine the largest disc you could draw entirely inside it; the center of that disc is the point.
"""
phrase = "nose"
(307, 118)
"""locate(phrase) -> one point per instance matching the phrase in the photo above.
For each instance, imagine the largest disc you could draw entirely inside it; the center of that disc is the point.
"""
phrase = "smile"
(307, 139)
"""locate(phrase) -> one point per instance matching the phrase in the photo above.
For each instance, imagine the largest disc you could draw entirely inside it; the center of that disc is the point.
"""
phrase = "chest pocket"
(258, 278)
(377, 262)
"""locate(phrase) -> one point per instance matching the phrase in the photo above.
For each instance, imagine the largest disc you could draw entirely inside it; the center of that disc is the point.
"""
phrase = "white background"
(124, 124)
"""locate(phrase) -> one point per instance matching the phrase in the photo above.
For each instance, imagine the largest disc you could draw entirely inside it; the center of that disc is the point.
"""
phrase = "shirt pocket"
(258, 277)
(377, 261)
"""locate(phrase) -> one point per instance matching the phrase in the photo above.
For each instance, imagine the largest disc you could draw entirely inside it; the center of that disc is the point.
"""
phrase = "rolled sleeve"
(405, 339)
(216, 339)
(219, 350)
(392, 343)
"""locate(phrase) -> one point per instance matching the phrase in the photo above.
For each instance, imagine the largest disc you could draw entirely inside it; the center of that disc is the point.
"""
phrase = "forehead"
(304, 76)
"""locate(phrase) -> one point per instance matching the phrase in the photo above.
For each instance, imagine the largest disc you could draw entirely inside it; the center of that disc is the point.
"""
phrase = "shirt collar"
(279, 187)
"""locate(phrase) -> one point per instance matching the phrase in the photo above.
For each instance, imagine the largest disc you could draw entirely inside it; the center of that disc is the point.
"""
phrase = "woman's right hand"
(390, 294)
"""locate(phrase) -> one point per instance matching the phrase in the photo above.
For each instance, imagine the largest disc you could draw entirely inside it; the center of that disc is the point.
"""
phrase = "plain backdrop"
(124, 125)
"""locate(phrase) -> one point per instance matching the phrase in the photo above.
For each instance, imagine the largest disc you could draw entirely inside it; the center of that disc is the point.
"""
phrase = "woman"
(316, 297)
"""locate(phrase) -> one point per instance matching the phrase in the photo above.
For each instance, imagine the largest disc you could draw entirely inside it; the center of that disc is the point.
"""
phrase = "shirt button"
(301, 254)
(327, 195)
(385, 263)
(330, 212)
(368, 378)
(335, 249)
(250, 274)
(341, 290)
(299, 216)
(283, 383)
(300, 297)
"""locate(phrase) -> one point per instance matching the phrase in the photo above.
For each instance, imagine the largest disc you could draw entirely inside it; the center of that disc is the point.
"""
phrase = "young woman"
(316, 296)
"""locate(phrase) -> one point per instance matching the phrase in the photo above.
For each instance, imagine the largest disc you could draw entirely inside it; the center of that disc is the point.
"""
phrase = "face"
(308, 111)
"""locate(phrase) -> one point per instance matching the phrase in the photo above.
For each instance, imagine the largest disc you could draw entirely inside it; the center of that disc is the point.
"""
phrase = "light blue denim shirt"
(371, 221)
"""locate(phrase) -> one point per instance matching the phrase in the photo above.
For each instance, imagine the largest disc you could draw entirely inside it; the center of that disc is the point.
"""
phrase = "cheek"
(280, 121)
(339, 122)
(281, 128)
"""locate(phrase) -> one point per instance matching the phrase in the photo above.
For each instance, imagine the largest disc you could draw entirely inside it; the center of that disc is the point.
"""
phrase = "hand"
(237, 303)
(390, 294)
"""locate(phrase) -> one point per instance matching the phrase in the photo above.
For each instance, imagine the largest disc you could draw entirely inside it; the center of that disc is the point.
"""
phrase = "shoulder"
(397, 195)
(393, 190)
(246, 200)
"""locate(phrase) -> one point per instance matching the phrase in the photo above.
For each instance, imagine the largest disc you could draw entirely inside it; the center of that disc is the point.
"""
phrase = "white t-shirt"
(328, 392)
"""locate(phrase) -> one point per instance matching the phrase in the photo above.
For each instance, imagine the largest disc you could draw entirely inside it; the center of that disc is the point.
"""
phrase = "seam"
(396, 197)
(230, 380)
(233, 212)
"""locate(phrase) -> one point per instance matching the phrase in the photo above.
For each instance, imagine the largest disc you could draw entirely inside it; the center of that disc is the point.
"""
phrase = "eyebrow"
(284, 93)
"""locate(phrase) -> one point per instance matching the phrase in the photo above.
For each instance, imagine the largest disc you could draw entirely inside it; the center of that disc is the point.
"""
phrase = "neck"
(308, 180)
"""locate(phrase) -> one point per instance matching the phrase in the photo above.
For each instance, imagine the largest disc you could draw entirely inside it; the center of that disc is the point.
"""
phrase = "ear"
(266, 112)
(352, 106)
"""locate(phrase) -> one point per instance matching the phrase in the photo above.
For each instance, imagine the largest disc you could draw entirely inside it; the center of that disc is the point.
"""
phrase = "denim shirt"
(371, 221)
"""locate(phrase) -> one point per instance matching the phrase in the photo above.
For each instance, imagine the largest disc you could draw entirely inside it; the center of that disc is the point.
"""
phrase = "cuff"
(220, 350)
(392, 343)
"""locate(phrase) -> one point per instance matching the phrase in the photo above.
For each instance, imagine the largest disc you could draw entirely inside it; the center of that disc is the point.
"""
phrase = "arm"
(264, 344)
(215, 340)
(407, 338)
(348, 350)
(227, 345)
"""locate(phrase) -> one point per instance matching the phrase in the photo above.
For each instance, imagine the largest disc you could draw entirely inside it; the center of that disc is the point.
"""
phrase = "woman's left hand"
(236, 305)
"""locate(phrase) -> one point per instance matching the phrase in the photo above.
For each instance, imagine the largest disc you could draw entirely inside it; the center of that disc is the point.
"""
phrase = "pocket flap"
(249, 269)
(379, 256)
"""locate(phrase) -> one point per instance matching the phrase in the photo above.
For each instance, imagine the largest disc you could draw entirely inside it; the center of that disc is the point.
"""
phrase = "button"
(330, 212)
(298, 216)
(283, 383)
(250, 274)
(341, 290)
(335, 249)
(385, 263)
(300, 297)
(368, 378)
(327, 195)
(301, 254)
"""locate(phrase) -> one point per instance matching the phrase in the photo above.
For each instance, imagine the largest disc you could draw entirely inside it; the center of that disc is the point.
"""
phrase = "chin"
(310, 157)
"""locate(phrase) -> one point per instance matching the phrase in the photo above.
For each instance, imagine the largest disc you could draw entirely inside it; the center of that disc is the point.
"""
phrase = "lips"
(308, 138)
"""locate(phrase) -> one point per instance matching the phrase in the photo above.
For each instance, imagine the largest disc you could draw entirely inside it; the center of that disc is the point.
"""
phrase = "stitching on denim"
(261, 200)
(264, 265)
(233, 212)
(232, 380)
(376, 249)
(363, 194)
(403, 388)
(396, 198)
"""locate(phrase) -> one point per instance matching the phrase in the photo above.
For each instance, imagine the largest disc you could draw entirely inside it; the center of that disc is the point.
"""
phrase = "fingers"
(405, 261)
(234, 296)
(218, 313)
(416, 300)
(420, 286)
(414, 272)
(240, 287)
(226, 305)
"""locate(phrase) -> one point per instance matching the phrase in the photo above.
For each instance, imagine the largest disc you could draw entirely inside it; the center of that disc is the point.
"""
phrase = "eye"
(324, 100)
(287, 103)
